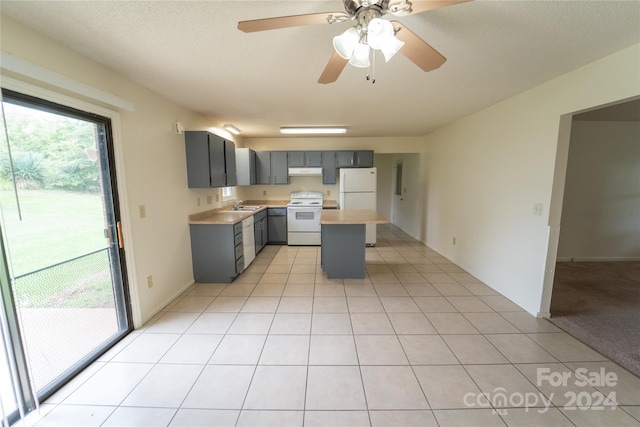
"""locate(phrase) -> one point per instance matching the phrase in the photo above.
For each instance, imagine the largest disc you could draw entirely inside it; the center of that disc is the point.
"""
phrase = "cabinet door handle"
(120, 238)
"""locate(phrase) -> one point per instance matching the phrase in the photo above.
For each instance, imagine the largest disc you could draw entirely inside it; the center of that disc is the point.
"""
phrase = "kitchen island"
(343, 241)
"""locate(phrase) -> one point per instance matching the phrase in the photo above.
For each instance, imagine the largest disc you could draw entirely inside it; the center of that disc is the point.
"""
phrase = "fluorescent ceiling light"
(231, 128)
(312, 130)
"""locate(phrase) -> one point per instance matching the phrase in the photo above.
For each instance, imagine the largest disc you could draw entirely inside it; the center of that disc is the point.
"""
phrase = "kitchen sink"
(247, 208)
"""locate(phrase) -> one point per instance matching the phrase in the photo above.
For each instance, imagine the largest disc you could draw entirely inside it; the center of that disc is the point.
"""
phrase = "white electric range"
(303, 218)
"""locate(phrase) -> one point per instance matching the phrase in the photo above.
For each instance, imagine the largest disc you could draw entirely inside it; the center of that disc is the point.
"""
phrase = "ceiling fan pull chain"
(373, 66)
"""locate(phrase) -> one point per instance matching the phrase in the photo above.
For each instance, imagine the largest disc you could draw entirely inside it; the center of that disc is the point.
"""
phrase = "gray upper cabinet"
(279, 167)
(364, 159)
(231, 179)
(272, 167)
(355, 159)
(263, 167)
(329, 167)
(344, 159)
(296, 159)
(300, 159)
(211, 160)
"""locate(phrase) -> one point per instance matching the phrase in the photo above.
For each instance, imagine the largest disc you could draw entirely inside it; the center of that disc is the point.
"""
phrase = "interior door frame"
(565, 124)
(395, 197)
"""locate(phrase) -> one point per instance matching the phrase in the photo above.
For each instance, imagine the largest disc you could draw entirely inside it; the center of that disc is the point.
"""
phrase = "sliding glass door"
(65, 300)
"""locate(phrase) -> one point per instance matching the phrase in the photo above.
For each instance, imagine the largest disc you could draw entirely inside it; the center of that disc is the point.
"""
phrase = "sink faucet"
(236, 204)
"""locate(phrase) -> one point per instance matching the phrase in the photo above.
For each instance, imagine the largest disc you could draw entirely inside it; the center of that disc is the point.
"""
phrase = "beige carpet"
(599, 303)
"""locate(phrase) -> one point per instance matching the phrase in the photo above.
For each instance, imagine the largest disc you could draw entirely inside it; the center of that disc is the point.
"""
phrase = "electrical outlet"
(454, 240)
(217, 197)
(328, 192)
(143, 211)
(209, 200)
(264, 192)
(198, 201)
(149, 282)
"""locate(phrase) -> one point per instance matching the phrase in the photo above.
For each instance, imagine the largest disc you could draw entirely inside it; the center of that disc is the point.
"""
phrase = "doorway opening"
(595, 294)
(64, 290)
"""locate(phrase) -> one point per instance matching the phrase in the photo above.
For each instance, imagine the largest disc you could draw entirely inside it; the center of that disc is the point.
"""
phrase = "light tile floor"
(419, 342)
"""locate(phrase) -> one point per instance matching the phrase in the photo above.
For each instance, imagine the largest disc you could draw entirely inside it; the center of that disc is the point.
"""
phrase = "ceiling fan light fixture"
(306, 130)
(381, 36)
(345, 43)
(378, 31)
(360, 56)
(390, 47)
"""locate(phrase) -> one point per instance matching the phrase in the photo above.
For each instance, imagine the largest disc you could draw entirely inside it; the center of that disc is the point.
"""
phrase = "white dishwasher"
(248, 241)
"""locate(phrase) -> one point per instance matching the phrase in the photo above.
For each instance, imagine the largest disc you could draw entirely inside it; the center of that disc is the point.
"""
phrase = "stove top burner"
(306, 198)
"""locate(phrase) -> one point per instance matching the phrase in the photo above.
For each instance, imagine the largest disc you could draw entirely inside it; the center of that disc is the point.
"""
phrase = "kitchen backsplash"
(281, 192)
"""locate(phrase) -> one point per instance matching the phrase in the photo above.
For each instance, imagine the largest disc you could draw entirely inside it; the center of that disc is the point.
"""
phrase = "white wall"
(151, 165)
(601, 209)
(485, 172)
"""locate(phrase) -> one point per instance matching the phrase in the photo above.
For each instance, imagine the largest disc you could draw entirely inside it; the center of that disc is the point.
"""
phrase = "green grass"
(57, 226)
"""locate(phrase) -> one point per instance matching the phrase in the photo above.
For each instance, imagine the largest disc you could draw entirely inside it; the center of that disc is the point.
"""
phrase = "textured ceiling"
(192, 53)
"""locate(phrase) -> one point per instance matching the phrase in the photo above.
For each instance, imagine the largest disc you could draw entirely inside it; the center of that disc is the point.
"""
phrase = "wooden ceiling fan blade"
(417, 50)
(291, 21)
(333, 69)
(419, 6)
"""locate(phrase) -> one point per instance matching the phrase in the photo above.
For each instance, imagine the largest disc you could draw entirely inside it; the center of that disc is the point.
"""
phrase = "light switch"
(209, 200)
(538, 208)
(143, 211)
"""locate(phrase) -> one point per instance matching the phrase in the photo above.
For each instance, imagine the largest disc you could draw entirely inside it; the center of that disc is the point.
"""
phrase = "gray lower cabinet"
(342, 252)
(277, 221)
(217, 252)
(260, 230)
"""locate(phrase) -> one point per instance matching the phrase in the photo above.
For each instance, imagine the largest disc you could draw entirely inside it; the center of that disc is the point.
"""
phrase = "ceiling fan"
(370, 32)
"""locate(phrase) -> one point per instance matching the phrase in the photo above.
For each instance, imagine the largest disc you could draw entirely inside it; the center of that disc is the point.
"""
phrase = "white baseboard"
(598, 259)
(543, 315)
(166, 302)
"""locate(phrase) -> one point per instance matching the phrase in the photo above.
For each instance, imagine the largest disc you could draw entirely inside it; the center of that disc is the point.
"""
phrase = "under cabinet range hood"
(305, 171)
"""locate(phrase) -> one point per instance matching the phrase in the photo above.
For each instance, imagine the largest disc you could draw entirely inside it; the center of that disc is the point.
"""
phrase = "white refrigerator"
(358, 191)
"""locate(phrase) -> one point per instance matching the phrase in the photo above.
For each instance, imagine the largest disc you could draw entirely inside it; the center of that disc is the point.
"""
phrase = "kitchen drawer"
(240, 265)
(239, 251)
(259, 216)
(237, 240)
(237, 228)
(277, 211)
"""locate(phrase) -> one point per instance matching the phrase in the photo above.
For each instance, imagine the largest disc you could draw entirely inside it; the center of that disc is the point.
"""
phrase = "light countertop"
(352, 216)
(227, 216)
